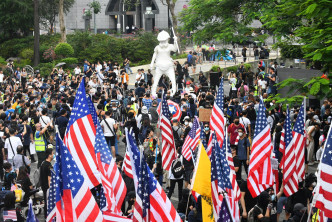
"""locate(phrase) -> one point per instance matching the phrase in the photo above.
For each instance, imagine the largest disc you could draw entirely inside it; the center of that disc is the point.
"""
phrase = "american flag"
(168, 144)
(282, 148)
(114, 185)
(225, 215)
(152, 203)
(235, 193)
(217, 119)
(191, 140)
(9, 215)
(51, 200)
(260, 171)
(323, 190)
(126, 167)
(31, 214)
(299, 143)
(74, 198)
(220, 172)
(209, 146)
(290, 179)
(80, 138)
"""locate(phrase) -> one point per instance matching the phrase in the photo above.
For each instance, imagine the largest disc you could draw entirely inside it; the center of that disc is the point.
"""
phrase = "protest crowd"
(40, 120)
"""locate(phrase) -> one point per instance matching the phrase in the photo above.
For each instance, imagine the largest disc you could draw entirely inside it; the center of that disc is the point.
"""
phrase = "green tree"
(36, 57)
(227, 20)
(16, 17)
(49, 10)
(96, 8)
(310, 23)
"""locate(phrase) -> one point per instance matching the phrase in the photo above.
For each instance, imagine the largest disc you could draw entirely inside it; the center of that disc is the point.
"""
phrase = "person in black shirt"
(24, 180)
(45, 176)
(62, 122)
(236, 162)
(9, 175)
(247, 201)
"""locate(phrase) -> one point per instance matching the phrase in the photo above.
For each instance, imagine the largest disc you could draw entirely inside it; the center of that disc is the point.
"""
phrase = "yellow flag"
(14, 105)
(202, 183)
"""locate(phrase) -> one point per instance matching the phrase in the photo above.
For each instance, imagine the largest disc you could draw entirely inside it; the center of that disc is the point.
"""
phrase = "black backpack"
(177, 168)
(238, 83)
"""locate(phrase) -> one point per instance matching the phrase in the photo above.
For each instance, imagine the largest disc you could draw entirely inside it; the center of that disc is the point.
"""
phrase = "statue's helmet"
(163, 36)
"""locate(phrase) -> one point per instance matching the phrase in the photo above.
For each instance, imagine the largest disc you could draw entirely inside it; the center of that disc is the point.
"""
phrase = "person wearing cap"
(188, 88)
(299, 213)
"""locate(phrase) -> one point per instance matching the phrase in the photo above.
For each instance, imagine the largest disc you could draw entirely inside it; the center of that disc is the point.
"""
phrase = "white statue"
(164, 62)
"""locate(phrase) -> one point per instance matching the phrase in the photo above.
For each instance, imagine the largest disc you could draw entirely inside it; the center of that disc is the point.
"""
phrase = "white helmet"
(163, 36)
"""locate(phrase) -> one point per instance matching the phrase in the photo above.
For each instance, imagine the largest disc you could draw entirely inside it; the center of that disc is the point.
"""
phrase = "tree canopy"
(16, 18)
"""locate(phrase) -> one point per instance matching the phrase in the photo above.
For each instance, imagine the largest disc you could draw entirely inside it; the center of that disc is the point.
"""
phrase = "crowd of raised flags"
(84, 161)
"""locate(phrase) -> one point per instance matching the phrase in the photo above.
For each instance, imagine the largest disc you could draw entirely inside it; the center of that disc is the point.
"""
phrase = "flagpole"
(318, 179)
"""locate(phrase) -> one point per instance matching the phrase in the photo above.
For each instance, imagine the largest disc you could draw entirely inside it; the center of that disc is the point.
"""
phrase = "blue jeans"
(281, 203)
(128, 69)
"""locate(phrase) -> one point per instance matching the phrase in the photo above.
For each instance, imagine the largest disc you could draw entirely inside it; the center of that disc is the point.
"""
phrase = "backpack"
(237, 111)
(238, 83)
(177, 168)
(177, 139)
(144, 117)
(251, 217)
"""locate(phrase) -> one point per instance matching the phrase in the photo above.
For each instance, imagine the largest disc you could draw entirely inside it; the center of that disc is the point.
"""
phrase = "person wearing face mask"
(187, 126)
(207, 132)
(233, 128)
(243, 150)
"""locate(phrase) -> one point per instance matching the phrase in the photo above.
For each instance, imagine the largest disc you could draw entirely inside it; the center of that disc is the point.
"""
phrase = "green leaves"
(315, 88)
(310, 9)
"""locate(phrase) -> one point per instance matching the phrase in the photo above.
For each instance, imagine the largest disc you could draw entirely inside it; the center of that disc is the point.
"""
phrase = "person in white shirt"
(1, 76)
(20, 159)
(11, 145)
(99, 67)
(245, 122)
(44, 119)
(109, 126)
(139, 76)
(77, 70)
(262, 85)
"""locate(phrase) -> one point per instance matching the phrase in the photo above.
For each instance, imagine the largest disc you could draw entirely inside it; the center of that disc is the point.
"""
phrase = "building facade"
(121, 15)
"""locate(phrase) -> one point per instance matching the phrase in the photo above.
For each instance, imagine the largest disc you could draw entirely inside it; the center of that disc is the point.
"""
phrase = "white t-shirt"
(139, 77)
(99, 67)
(44, 120)
(107, 131)
(1, 77)
(245, 121)
(233, 81)
(77, 71)
(15, 141)
(262, 83)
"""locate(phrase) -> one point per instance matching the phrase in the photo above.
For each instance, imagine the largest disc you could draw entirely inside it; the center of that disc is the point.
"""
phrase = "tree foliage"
(227, 20)
(16, 18)
(49, 10)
